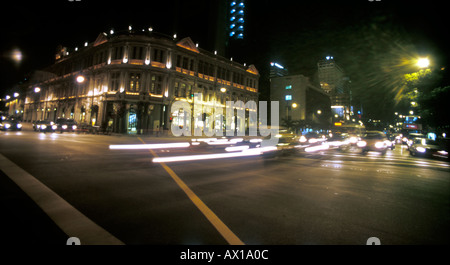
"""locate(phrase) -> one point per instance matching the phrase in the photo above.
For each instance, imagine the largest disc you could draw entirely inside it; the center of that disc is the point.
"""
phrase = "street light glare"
(423, 62)
(80, 79)
(16, 55)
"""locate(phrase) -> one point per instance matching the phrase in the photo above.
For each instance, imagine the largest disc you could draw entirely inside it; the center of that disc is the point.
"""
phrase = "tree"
(434, 109)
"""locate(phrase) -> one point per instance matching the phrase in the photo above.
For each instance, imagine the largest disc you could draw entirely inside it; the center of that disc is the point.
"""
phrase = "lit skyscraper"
(334, 82)
(236, 19)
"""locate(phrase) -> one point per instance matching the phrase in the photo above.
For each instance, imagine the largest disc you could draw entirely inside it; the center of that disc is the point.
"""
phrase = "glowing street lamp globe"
(423, 62)
(80, 79)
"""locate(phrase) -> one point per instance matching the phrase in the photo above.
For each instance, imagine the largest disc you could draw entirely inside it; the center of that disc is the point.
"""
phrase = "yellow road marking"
(222, 228)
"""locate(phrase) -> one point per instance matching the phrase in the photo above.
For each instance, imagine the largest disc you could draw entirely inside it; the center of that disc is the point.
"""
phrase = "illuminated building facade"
(300, 100)
(130, 80)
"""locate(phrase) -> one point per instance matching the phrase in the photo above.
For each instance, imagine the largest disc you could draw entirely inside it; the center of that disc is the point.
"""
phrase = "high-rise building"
(277, 69)
(330, 75)
(236, 19)
(334, 82)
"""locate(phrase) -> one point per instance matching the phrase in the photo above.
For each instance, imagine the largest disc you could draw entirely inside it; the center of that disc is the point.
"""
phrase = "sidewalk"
(166, 135)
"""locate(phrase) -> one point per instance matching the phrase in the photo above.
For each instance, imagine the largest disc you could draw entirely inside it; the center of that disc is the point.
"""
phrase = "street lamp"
(37, 89)
(80, 79)
(423, 62)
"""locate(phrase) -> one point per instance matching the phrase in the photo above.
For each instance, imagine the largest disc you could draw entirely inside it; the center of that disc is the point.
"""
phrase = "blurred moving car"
(312, 138)
(428, 148)
(66, 125)
(10, 125)
(286, 145)
(374, 141)
(408, 139)
(44, 126)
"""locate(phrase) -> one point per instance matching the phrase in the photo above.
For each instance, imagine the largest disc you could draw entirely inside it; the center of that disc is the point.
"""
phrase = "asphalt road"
(325, 198)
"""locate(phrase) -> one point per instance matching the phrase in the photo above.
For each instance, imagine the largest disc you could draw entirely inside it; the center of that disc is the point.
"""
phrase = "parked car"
(428, 148)
(66, 125)
(10, 125)
(374, 141)
(45, 126)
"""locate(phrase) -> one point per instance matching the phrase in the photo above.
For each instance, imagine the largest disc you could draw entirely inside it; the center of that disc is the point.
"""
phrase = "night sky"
(368, 39)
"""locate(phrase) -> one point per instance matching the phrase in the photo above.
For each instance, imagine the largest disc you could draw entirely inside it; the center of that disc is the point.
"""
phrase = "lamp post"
(80, 80)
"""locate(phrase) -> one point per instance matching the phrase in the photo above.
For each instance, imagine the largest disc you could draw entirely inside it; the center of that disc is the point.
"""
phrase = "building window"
(183, 90)
(200, 67)
(176, 89)
(158, 55)
(137, 53)
(178, 63)
(115, 81)
(135, 82)
(156, 84)
(117, 53)
(288, 97)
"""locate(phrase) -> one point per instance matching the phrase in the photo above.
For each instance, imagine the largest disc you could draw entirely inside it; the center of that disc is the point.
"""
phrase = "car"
(343, 142)
(392, 138)
(312, 138)
(66, 125)
(10, 125)
(408, 139)
(374, 141)
(45, 126)
(286, 145)
(428, 148)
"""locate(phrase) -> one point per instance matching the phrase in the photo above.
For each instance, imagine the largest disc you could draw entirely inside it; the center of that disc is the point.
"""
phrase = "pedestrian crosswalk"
(393, 158)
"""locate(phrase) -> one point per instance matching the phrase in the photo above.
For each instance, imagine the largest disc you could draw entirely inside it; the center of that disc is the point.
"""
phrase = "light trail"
(149, 146)
(248, 152)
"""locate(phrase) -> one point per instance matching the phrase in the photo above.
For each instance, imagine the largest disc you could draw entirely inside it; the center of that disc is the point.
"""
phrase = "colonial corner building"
(128, 80)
